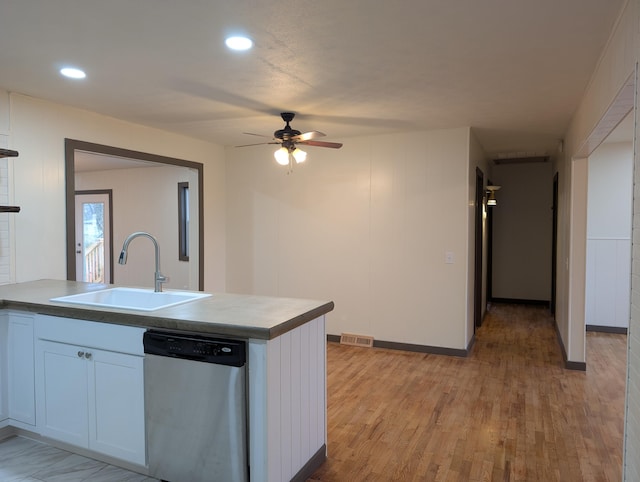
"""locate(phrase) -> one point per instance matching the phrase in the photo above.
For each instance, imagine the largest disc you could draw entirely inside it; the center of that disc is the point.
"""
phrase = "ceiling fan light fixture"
(238, 43)
(491, 198)
(299, 155)
(288, 137)
(282, 156)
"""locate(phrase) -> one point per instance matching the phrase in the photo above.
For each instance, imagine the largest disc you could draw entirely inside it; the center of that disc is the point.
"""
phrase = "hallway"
(508, 412)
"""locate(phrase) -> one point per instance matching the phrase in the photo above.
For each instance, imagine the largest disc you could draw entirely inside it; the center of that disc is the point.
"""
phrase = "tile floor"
(26, 460)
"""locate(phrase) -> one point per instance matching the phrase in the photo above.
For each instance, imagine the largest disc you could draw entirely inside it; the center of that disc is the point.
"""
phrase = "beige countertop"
(245, 316)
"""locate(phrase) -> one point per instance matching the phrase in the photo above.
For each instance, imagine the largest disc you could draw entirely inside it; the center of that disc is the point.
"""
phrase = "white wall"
(616, 64)
(610, 195)
(632, 419)
(38, 130)
(522, 231)
(618, 61)
(146, 199)
(6, 219)
(366, 226)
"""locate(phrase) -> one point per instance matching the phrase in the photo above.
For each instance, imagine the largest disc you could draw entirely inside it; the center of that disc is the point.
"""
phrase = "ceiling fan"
(288, 138)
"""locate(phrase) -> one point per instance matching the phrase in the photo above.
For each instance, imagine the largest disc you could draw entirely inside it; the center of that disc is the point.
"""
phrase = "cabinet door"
(62, 398)
(116, 406)
(22, 407)
(4, 412)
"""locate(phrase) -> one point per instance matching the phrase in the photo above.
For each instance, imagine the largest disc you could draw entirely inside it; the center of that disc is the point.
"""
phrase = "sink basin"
(132, 298)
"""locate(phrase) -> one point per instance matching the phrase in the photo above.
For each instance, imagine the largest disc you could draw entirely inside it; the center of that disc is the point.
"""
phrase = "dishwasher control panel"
(191, 346)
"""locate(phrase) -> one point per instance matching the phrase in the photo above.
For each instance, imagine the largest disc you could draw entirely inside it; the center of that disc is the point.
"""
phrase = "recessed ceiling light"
(239, 43)
(73, 73)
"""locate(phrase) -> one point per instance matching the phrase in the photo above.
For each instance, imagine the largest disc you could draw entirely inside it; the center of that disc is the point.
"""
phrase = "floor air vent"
(356, 340)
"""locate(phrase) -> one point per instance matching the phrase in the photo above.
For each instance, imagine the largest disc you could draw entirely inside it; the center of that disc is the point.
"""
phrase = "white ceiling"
(513, 70)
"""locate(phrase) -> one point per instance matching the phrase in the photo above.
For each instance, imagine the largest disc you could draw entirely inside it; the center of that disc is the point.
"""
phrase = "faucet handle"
(159, 279)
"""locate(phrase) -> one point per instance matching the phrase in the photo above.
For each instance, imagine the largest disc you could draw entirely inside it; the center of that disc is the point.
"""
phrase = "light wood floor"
(508, 412)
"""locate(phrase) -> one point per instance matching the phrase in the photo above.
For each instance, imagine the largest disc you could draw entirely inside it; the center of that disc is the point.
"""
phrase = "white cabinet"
(116, 405)
(64, 408)
(4, 410)
(17, 391)
(90, 396)
(21, 378)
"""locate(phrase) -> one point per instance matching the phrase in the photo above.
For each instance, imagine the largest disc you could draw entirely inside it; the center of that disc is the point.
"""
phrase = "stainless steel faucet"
(159, 278)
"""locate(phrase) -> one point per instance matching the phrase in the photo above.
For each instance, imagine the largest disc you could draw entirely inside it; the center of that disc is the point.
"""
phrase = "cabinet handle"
(87, 356)
(80, 354)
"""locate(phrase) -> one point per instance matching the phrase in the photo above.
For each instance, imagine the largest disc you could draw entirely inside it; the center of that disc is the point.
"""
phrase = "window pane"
(93, 242)
(183, 221)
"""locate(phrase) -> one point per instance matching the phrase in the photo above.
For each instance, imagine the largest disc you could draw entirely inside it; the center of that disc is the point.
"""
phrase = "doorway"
(554, 246)
(94, 238)
(74, 148)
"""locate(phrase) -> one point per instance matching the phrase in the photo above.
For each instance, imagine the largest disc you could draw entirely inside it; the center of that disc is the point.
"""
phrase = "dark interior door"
(477, 312)
(554, 245)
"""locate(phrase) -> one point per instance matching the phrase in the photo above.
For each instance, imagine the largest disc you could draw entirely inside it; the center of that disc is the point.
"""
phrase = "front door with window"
(93, 245)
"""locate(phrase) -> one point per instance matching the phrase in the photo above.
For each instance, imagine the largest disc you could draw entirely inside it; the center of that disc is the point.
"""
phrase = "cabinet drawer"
(93, 334)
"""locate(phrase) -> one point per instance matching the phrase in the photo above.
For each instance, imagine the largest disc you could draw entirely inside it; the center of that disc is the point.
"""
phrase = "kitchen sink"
(132, 298)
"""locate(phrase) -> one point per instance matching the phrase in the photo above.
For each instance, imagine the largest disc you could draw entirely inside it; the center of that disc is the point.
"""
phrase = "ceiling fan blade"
(259, 135)
(308, 136)
(333, 145)
(257, 144)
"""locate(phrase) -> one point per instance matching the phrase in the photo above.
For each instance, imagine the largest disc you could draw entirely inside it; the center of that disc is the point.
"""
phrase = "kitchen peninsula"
(286, 374)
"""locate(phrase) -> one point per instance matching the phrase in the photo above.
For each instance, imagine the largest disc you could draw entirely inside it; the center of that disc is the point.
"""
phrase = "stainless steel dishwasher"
(195, 407)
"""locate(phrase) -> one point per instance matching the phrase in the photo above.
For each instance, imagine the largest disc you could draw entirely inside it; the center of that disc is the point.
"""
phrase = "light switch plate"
(448, 257)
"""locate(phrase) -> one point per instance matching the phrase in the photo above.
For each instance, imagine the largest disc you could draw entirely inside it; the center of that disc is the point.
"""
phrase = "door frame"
(73, 145)
(554, 246)
(489, 252)
(477, 276)
(109, 194)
